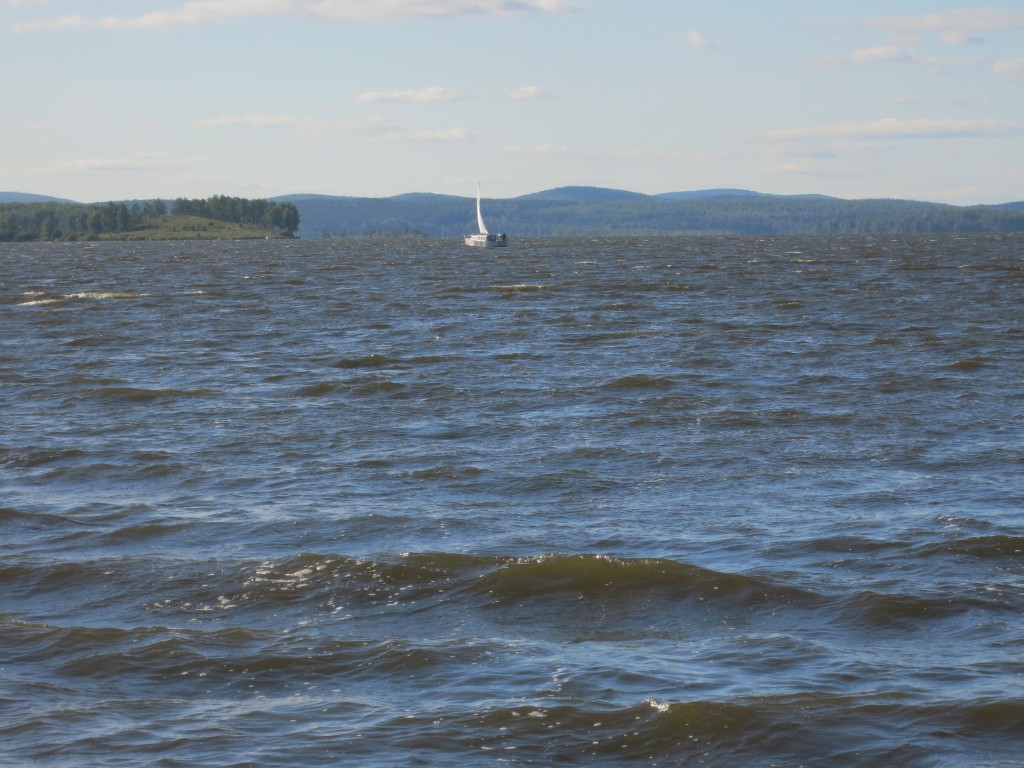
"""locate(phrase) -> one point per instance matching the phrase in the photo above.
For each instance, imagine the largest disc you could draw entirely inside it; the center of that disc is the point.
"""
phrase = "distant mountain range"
(603, 195)
(25, 197)
(575, 211)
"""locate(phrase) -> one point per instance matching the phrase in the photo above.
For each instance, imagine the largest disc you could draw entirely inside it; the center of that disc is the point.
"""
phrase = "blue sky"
(141, 98)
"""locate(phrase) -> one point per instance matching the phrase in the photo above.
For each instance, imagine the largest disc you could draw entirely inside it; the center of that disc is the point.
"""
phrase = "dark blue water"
(670, 501)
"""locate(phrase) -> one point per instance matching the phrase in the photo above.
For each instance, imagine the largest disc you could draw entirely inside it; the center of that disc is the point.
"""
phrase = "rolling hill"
(575, 211)
(26, 197)
(582, 210)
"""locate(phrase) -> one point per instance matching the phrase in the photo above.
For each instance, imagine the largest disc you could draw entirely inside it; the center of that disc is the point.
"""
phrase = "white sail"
(483, 238)
(479, 216)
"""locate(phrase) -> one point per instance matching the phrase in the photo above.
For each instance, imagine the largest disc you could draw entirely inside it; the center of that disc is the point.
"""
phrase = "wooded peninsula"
(218, 217)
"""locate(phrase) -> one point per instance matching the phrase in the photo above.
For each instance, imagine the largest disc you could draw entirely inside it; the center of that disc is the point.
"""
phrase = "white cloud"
(370, 128)
(958, 21)
(435, 94)
(530, 93)
(1011, 68)
(377, 130)
(254, 121)
(428, 136)
(959, 38)
(633, 155)
(540, 149)
(794, 167)
(878, 54)
(890, 127)
(205, 12)
(697, 40)
(137, 162)
(432, 94)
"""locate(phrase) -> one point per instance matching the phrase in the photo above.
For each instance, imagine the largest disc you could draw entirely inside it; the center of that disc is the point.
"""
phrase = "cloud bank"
(1010, 68)
(432, 94)
(890, 127)
(952, 21)
(880, 54)
(369, 128)
(206, 12)
(697, 40)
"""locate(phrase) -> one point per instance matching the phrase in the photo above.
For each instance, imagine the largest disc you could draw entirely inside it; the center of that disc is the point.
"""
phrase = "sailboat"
(484, 239)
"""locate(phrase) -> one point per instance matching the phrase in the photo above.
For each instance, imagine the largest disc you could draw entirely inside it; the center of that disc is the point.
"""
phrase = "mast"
(479, 216)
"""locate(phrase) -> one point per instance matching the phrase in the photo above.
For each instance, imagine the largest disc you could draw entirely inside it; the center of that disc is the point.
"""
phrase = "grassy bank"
(191, 228)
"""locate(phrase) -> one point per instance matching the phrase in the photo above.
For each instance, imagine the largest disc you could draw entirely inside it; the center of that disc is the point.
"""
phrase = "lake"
(654, 501)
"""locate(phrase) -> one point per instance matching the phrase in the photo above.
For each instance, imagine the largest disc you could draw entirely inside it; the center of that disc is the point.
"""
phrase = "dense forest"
(21, 222)
(74, 221)
(279, 217)
(561, 214)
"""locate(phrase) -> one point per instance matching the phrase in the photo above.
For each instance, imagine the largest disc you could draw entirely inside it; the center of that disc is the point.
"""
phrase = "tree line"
(24, 222)
(745, 215)
(280, 217)
(21, 222)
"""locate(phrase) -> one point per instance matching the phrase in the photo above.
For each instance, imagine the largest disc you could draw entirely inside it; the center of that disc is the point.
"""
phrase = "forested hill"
(565, 211)
(27, 220)
(593, 210)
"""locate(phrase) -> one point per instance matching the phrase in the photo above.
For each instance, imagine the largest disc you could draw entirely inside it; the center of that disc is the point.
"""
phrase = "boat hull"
(487, 241)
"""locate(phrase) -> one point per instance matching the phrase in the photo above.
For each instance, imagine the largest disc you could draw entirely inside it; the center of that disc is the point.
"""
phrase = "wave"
(212, 702)
(42, 298)
(970, 364)
(374, 385)
(984, 547)
(822, 728)
(880, 609)
(472, 580)
(144, 531)
(641, 381)
(101, 295)
(89, 341)
(997, 546)
(220, 655)
(319, 389)
(419, 581)
(142, 394)
(512, 289)
(611, 577)
(448, 472)
(35, 456)
(367, 361)
(391, 647)
(41, 302)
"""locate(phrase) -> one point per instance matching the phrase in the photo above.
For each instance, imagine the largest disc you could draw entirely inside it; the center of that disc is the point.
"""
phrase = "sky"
(126, 99)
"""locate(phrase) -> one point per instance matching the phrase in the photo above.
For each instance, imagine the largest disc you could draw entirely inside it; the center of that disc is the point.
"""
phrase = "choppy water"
(696, 501)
